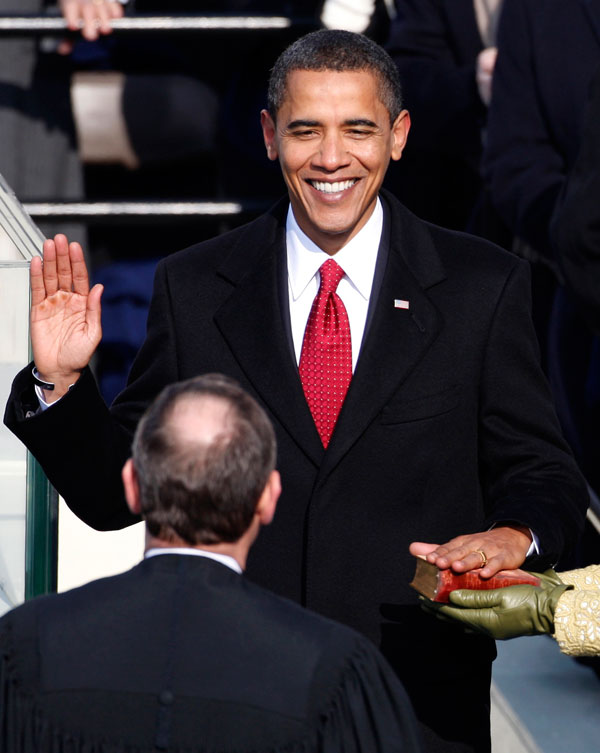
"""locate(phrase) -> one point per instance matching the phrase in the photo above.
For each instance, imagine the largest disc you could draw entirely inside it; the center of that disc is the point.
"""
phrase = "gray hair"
(197, 490)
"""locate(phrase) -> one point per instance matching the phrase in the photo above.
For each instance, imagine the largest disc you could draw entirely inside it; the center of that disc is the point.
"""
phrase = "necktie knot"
(331, 274)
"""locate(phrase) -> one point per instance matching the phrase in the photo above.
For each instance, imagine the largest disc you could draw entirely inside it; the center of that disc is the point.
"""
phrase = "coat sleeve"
(577, 615)
(527, 469)
(521, 162)
(80, 443)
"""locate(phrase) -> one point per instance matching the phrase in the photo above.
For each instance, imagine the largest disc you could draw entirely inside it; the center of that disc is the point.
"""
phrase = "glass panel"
(14, 313)
(27, 502)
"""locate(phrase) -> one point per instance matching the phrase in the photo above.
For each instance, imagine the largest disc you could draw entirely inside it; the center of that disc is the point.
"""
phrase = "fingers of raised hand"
(49, 272)
(63, 268)
(36, 276)
(63, 263)
(79, 273)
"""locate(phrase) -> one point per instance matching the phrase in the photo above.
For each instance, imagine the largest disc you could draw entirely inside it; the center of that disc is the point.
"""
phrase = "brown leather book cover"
(436, 584)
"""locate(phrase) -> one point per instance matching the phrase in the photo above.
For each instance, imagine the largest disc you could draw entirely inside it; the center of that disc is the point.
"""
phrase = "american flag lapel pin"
(400, 303)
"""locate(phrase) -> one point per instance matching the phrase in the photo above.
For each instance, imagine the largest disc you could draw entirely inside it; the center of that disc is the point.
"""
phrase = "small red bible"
(436, 584)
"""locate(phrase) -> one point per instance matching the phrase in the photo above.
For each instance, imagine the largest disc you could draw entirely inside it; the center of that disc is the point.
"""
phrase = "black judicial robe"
(183, 654)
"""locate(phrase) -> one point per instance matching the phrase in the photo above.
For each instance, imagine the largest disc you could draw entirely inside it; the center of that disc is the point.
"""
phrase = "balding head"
(202, 453)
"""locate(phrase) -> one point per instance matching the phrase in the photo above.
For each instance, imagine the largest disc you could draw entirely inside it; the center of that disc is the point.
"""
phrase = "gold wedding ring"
(481, 553)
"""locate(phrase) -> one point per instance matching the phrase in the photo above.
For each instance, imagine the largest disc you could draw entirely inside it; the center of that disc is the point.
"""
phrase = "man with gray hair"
(182, 652)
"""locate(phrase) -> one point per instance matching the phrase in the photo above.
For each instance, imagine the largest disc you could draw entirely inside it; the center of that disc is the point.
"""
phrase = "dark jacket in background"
(435, 44)
(548, 53)
(575, 226)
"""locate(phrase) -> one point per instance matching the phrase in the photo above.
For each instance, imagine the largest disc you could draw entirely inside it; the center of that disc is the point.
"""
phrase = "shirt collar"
(357, 258)
(224, 559)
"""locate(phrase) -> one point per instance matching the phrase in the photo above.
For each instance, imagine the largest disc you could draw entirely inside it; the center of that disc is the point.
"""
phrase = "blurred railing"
(48, 25)
(26, 25)
(147, 210)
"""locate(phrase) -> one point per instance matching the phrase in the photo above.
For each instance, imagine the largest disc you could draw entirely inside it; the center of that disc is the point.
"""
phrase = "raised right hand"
(65, 315)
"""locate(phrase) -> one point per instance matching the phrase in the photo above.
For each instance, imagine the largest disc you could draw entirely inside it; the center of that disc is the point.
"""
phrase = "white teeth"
(332, 187)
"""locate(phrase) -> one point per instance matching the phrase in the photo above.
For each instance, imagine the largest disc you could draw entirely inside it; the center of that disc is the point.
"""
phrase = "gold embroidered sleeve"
(584, 579)
(577, 615)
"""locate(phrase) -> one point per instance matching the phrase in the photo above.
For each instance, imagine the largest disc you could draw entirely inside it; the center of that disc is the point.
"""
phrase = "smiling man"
(396, 360)
(334, 138)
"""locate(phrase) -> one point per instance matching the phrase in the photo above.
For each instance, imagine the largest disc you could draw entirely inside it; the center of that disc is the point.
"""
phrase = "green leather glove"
(503, 613)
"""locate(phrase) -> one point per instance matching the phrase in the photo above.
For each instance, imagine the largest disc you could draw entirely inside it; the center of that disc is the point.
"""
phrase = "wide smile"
(332, 189)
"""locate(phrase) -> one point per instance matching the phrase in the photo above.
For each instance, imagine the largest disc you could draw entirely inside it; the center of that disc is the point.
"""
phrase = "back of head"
(203, 453)
(336, 50)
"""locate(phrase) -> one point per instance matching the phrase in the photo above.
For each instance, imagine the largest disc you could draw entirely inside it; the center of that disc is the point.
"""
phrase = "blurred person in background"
(548, 54)
(446, 51)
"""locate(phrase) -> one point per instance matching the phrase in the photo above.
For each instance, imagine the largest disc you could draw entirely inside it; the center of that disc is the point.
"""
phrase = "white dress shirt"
(357, 258)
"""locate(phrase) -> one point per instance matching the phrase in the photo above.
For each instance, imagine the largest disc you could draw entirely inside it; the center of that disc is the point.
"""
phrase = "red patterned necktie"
(326, 358)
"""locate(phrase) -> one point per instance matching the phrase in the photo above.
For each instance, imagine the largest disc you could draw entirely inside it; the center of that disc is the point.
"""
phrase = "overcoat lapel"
(397, 338)
(251, 321)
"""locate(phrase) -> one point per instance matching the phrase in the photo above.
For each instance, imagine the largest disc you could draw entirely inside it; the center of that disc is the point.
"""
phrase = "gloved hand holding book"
(503, 613)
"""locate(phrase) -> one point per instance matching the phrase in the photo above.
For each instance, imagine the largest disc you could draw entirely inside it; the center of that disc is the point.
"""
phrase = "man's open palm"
(65, 313)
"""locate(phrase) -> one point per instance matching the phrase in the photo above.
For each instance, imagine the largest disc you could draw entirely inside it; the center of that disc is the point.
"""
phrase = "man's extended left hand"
(502, 548)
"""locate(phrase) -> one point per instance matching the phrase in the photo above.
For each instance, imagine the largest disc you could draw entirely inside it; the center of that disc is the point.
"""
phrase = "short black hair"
(197, 490)
(336, 50)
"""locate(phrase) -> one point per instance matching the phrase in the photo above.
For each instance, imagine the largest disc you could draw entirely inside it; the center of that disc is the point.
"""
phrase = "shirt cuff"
(534, 547)
(40, 396)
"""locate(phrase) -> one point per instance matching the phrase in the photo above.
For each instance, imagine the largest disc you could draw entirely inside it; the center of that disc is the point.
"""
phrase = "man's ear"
(267, 504)
(269, 131)
(400, 129)
(132, 488)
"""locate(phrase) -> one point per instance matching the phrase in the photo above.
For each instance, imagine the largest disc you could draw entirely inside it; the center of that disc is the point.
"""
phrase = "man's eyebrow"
(360, 122)
(303, 124)
(315, 123)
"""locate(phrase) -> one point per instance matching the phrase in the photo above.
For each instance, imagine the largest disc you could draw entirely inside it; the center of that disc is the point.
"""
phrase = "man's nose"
(332, 153)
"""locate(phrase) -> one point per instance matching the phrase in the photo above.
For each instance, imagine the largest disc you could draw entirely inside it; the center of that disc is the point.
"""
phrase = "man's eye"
(304, 133)
(359, 132)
